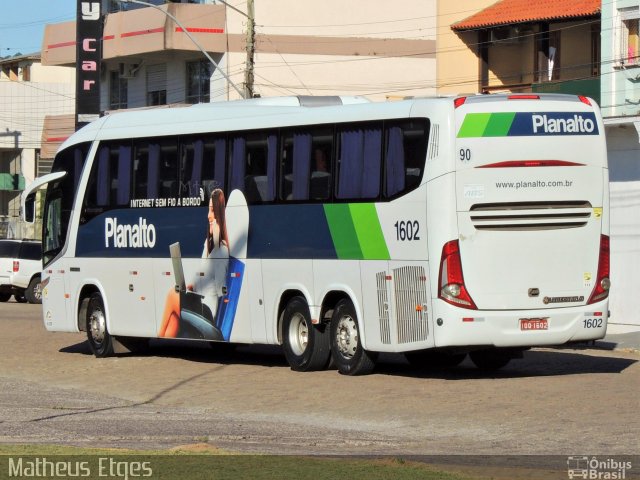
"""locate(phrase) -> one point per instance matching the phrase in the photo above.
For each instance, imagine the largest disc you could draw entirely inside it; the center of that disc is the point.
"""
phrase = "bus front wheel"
(306, 346)
(100, 340)
(33, 293)
(346, 348)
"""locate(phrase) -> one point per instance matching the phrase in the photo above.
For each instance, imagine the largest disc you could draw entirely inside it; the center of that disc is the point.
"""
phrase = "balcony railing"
(589, 87)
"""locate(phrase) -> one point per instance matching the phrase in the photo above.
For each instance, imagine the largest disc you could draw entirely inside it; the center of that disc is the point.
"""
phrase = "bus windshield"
(59, 199)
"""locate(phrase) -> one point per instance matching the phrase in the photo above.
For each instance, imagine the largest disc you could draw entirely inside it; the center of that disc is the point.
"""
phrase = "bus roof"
(245, 115)
(273, 112)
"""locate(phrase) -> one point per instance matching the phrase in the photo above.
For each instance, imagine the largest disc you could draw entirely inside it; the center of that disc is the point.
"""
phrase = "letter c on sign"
(86, 45)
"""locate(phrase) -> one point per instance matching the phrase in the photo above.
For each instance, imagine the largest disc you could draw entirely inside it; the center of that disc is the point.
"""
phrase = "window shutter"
(156, 78)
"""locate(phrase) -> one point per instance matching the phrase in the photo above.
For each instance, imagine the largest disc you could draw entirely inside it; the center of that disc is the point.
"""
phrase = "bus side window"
(202, 166)
(110, 180)
(155, 168)
(253, 166)
(405, 155)
(321, 164)
(359, 161)
(168, 178)
(306, 164)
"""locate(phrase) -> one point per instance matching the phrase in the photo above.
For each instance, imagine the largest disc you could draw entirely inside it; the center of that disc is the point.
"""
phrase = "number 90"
(465, 154)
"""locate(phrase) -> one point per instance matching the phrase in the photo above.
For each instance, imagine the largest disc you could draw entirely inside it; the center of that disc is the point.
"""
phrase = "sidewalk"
(620, 337)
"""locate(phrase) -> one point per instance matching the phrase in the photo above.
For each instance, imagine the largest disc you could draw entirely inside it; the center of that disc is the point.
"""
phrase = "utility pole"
(251, 49)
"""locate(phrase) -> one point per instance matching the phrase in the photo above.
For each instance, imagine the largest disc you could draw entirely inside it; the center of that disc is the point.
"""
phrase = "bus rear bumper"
(545, 327)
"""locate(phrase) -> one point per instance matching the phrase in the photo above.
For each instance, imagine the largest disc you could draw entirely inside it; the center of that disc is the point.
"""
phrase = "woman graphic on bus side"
(209, 284)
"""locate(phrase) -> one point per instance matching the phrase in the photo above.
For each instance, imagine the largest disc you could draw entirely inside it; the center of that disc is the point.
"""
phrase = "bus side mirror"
(29, 209)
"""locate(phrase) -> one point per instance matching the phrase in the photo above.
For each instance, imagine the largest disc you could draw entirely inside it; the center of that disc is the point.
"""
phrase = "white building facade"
(621, 109)
(29, 92)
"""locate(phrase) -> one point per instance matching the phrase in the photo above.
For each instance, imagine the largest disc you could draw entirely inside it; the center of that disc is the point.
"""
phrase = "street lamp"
(184, 29)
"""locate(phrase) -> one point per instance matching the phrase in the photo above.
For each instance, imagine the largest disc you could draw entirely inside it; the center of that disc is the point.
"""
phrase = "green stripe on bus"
(499, 124)
(474, 125)
(367, 225)
(343, 232)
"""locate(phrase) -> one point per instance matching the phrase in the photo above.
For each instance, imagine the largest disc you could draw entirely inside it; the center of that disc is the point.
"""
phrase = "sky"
(22, 23)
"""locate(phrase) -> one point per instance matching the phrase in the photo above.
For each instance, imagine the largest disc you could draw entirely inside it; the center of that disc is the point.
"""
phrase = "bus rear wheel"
(346, 348)
(100, 340)
(306, 346)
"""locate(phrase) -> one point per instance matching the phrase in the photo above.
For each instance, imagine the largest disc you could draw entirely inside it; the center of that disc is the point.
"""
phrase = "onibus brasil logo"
(593, 468)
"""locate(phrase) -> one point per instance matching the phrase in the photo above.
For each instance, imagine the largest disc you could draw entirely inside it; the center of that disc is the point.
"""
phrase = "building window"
(117, 91)
(199, 81)
(26, 73)
(157, 85)
(595, 49)
(629, 40)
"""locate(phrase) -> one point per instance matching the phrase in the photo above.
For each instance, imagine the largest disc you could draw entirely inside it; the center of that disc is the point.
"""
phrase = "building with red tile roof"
(510, 12)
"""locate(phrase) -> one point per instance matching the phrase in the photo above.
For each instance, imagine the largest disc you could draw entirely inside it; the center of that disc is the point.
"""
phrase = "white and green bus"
(335, 227)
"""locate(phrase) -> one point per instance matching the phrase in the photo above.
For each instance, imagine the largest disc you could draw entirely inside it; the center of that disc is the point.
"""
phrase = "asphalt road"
(552, 402)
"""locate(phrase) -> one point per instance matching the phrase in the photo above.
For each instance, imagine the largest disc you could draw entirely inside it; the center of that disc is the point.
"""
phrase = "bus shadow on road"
(201, 352)
(535, 363)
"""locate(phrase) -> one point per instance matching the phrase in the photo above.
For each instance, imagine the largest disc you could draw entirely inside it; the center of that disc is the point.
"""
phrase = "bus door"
(55, 293)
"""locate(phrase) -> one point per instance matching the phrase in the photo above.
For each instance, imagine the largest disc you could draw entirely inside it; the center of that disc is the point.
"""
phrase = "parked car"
(20, 270)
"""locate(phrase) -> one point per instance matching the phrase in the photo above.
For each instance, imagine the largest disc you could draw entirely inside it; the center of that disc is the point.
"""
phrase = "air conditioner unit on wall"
(129, 70)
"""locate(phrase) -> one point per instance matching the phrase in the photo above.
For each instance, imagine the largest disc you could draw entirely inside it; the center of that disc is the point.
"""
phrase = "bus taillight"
(451, 281)
(523, 97)
(603, 283)
(458, 102)
(584, 100)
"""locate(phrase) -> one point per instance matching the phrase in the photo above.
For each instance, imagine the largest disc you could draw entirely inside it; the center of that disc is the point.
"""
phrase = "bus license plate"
(534, 324)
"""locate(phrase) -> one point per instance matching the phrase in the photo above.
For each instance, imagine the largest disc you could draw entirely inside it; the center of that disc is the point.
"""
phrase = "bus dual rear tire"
(306, 346)
(346, 348)
(490, 359)
(100, 340)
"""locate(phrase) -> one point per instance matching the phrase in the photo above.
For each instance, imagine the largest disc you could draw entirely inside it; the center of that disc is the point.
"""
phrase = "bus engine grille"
(383, 307)
(530, 215)
(411, 304)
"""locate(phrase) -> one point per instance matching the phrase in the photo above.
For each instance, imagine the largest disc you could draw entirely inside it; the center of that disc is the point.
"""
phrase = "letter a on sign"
(91, 10)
